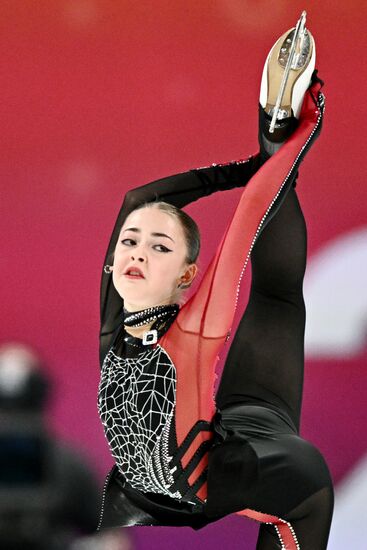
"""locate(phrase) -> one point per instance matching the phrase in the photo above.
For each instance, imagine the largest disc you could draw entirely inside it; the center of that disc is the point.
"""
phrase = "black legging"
(265, 366)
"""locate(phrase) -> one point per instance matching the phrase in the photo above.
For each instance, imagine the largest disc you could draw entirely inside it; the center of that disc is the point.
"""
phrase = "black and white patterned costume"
(136, 405)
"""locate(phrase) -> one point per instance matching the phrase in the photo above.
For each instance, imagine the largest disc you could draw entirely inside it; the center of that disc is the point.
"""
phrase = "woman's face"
(161, 259)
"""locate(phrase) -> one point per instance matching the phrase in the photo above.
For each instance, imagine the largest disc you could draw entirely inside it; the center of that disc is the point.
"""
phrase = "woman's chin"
(135, 296)
(136, 300)
(128, 294)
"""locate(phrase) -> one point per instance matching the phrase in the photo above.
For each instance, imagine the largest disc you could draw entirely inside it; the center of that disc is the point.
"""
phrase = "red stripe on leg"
(284, 529)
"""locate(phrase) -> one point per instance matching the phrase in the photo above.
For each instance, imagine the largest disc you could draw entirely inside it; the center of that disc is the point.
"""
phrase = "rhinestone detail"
(145, 316)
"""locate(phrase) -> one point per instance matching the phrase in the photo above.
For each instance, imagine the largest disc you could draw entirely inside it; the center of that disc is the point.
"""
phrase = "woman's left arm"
(179, 190)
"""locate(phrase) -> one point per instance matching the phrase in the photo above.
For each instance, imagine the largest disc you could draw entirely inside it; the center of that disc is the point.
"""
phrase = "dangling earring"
(183, 285)
(107, 269)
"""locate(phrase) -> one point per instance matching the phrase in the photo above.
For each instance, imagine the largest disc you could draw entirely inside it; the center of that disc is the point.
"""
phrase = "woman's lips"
(134, 276)
(134, 272)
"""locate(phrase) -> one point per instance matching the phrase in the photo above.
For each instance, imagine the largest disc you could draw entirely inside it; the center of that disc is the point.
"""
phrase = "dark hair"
(189, 226)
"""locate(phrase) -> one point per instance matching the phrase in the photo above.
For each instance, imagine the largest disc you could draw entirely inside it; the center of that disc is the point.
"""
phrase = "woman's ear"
(189, 275)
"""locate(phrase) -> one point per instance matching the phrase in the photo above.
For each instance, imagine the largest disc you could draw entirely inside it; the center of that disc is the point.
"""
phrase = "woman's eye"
(164, 248)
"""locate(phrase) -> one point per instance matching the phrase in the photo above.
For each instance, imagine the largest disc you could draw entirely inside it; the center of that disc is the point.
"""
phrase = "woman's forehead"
(152, 220)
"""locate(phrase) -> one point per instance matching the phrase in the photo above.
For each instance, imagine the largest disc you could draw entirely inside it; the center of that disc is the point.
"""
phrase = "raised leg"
(266, 357)
(274, 475)
(264, 366)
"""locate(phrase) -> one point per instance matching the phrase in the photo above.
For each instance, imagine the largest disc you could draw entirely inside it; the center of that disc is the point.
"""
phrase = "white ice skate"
(287, 73)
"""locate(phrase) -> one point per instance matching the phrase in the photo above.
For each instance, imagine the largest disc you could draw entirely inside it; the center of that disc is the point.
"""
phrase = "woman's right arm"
(179, 190)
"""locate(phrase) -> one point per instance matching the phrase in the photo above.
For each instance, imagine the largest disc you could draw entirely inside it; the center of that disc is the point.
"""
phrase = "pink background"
(100, 96)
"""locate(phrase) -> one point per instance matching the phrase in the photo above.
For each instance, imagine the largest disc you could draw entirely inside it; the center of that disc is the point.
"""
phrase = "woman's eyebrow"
(137, 230)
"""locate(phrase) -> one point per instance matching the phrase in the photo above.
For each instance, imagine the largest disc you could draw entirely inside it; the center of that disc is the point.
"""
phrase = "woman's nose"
(138, 255)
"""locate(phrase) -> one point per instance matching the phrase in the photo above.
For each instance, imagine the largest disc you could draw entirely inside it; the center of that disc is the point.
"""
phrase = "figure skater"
(184, 457)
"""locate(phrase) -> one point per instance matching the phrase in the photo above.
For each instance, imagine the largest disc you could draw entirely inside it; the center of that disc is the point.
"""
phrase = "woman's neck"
(139, 322)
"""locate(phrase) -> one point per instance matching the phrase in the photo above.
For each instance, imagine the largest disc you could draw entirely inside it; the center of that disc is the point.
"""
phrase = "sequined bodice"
(136, 402)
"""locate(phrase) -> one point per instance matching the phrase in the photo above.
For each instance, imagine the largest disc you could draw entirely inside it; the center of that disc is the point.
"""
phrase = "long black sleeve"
(179, 190)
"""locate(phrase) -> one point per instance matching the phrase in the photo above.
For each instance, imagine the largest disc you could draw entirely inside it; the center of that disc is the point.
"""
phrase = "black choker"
(145, 316)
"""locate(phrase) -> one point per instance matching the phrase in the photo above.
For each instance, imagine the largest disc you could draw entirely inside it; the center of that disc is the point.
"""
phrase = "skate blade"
(288, 60)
